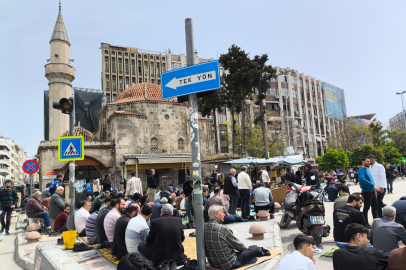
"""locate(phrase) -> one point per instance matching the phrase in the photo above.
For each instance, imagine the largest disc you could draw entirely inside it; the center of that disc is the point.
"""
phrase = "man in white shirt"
(80, 218)
(96, 186)
(379, 176)
(138, 229)
(244, 188)
(134, 185)
(264, 175)
(302, 258)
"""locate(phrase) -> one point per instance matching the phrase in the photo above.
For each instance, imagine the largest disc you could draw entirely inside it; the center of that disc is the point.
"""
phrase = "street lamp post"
(286, 72)
(403, 108)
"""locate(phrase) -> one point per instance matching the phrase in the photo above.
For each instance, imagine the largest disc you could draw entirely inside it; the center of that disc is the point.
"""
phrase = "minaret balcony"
(59, 70)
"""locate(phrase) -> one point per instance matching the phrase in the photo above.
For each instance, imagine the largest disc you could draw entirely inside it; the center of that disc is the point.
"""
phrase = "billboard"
(334, 101)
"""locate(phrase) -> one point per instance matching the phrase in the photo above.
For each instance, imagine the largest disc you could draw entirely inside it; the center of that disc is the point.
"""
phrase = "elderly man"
(244, 187)
(379, 175)
(138, 229)
(220, 244)
(164, 241)
(118, 209)
(134, 185)
(215, 200)
(263, 200)
(56, 205)
(35, 210)
(231, 189)
(119, 249)
(344, 192)
(80, 218)
(386, 233)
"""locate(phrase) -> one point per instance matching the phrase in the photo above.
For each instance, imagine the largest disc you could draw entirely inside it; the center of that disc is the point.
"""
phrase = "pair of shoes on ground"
(192, 234)
(2, 230)
(168, 265)
(190, 225)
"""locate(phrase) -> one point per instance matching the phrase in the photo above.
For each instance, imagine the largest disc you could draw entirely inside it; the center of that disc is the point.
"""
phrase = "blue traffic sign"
(191, 79)
(71, 148)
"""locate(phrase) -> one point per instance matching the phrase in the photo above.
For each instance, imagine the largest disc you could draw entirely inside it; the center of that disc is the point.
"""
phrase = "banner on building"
(49, 175)
(334, 101)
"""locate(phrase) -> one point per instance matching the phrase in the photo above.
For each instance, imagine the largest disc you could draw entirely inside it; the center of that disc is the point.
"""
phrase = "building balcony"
(4, 171)
(4, 144)
(5, 162)
(5, 153)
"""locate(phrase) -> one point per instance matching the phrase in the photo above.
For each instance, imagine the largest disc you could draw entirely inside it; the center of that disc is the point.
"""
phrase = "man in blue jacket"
(368, 189)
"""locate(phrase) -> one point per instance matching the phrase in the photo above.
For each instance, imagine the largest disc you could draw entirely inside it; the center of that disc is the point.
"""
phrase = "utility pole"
(195, 147)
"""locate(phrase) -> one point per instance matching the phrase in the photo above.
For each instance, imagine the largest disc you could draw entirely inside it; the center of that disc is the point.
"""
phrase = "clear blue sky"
(355, 45)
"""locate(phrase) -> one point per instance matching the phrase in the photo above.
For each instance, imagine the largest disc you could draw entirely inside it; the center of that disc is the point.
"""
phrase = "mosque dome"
(142, 91)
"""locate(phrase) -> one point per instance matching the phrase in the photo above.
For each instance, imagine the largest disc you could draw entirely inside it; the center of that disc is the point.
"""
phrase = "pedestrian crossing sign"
(71, 148)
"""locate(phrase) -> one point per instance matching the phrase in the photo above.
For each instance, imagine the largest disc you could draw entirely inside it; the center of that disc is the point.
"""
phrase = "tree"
(333, 159)
(262, 74)
(398, 138)
(238, 82)
(362, 151)
(378, 134)
(391, 154)
(349, 134)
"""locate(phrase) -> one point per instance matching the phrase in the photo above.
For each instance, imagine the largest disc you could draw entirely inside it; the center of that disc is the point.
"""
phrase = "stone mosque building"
(137, 132)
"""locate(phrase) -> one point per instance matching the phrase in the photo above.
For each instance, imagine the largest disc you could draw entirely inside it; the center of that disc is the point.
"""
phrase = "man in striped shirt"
(91, 228)
(134, 185)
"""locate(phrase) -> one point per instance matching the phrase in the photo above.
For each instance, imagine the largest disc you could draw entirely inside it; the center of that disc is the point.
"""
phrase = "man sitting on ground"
(302, 258)
(179, 200)
(118, 209)
(347, 214)
(61, 219)
(220, 244)
(119, 249)
(165, 239)
(397, 259)
(35, 210)
(91, 228)
(45, 201)
(100, 232)
(80, 218)
(263, 200)
(357, 255)
(344, 193)
(144, 197)
(215, 200)
(386, 233)
(138, 229)
(400, 206)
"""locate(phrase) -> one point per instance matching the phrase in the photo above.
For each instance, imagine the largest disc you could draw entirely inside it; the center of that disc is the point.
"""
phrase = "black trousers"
(245, 202)
(233, 203)
(270, 207)
(6, 211)
(370, 202)
(247, 256)
(142, 248)
(62, 229)
(380, 202)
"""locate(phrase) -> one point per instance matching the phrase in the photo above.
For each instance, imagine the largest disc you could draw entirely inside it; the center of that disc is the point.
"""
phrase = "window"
(175, 65)
(221, 118)
(139, 68)
(285, 92)
(158, 71)
(127, 83)
(154, 143)
(152, 70)
(181, 144)
(146, 69)
(311, 137)
(119, 64)
(256, 91)
(295, 107)
(126, 65)
(222, 135)
(301, 82)
(133, 66)
(114, 97)
(317, 89)
(284, 107)
(308, 97)
(296, 122)
(302, 95)
(114, 83)
(310, 124)
(108, 99)
(303, 110)
(107, 81)
(120, 81)
(294, 93)
(305, 137)
(113, 64)
(293, 80)
(224, 149)
(272, 106)
(273, 79)
(313, 86)
(106, 61)
(307, 84)
(283, 78)
(272, 92)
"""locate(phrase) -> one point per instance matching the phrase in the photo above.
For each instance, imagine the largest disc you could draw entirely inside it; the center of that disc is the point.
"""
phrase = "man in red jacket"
(60, 220)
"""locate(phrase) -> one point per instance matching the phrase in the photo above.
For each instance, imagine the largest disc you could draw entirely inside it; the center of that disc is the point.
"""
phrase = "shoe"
(189, 226)
(7, 233)
(164, 266)
(192, 234)
(60, 241)
(184, 227)
(172, 265)
(2, 230)
(271, 216)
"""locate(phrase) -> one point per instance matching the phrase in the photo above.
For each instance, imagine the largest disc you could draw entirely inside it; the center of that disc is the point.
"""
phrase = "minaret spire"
(59, 5)
(59, 30)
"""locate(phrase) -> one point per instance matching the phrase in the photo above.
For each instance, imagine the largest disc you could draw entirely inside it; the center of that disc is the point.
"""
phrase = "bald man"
(231, 189)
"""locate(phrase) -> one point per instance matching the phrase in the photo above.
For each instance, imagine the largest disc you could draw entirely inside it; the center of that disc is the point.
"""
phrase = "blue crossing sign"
(71, 148)
(191, 79)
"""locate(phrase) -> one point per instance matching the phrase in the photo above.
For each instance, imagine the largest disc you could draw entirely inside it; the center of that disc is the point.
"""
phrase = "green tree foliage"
(378, 134)
(349, 134)
(362, 151)
(333, 159)
(391, 154)
(398, 138)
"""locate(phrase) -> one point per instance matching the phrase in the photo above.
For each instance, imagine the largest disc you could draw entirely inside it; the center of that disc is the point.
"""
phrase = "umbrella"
(243, 161)
(281, 161)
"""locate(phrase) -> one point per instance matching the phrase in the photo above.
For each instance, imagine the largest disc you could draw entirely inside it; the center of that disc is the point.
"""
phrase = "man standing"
(369, 189)
(332, 192)
(56, 205)
(344, 192)
(119, 249)
(35, 210)
(61, 219)
(134, 185)
(379, 176)
(138, 229)
(111, 218)
(96, 186)
(264, 175)
(56, 183)
(263, 200)
(390, 176)
(302, 258)
(106, 183)
(152, 186)
(80, 218)
(291, 177)
(312, 176)
(231, 189)
(27, 190)
(344, 215)
(244, 187)
(188, 190)
(9, 201)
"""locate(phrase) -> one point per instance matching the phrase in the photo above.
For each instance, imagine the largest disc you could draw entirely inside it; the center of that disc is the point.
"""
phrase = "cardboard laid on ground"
(329, 239)
(274, 252)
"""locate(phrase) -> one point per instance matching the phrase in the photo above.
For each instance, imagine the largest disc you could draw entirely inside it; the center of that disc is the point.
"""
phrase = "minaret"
(60, 76)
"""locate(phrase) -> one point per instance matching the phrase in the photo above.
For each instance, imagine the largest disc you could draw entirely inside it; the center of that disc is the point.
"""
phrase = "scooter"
(305, 205)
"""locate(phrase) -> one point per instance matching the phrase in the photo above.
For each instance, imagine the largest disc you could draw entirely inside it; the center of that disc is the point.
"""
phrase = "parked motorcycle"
(305, 205)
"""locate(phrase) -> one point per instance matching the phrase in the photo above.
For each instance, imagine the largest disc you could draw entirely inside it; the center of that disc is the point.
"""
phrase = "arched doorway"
(86, 173)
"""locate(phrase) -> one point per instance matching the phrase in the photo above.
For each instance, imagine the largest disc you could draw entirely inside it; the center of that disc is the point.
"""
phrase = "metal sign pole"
(31, 184)
(71, 222)
(195, 147)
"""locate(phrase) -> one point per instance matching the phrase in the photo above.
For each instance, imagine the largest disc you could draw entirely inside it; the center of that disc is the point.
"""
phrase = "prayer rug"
(274, 252)
(329, 254)
(105, 252)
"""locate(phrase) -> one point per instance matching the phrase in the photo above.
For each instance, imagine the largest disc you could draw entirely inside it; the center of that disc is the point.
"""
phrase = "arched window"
(181, 144)
(154, 143)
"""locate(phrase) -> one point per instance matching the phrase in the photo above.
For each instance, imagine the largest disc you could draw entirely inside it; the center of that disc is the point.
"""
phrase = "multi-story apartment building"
(398, 121)
(12, 158)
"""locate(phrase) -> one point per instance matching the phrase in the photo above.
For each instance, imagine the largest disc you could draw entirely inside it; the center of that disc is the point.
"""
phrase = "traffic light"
(65, 105)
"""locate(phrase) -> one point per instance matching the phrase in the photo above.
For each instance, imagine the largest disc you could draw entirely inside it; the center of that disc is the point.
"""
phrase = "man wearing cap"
(152, 186)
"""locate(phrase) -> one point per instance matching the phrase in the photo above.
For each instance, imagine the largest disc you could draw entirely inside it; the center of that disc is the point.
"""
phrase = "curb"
(24, 263)
(273, 264)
